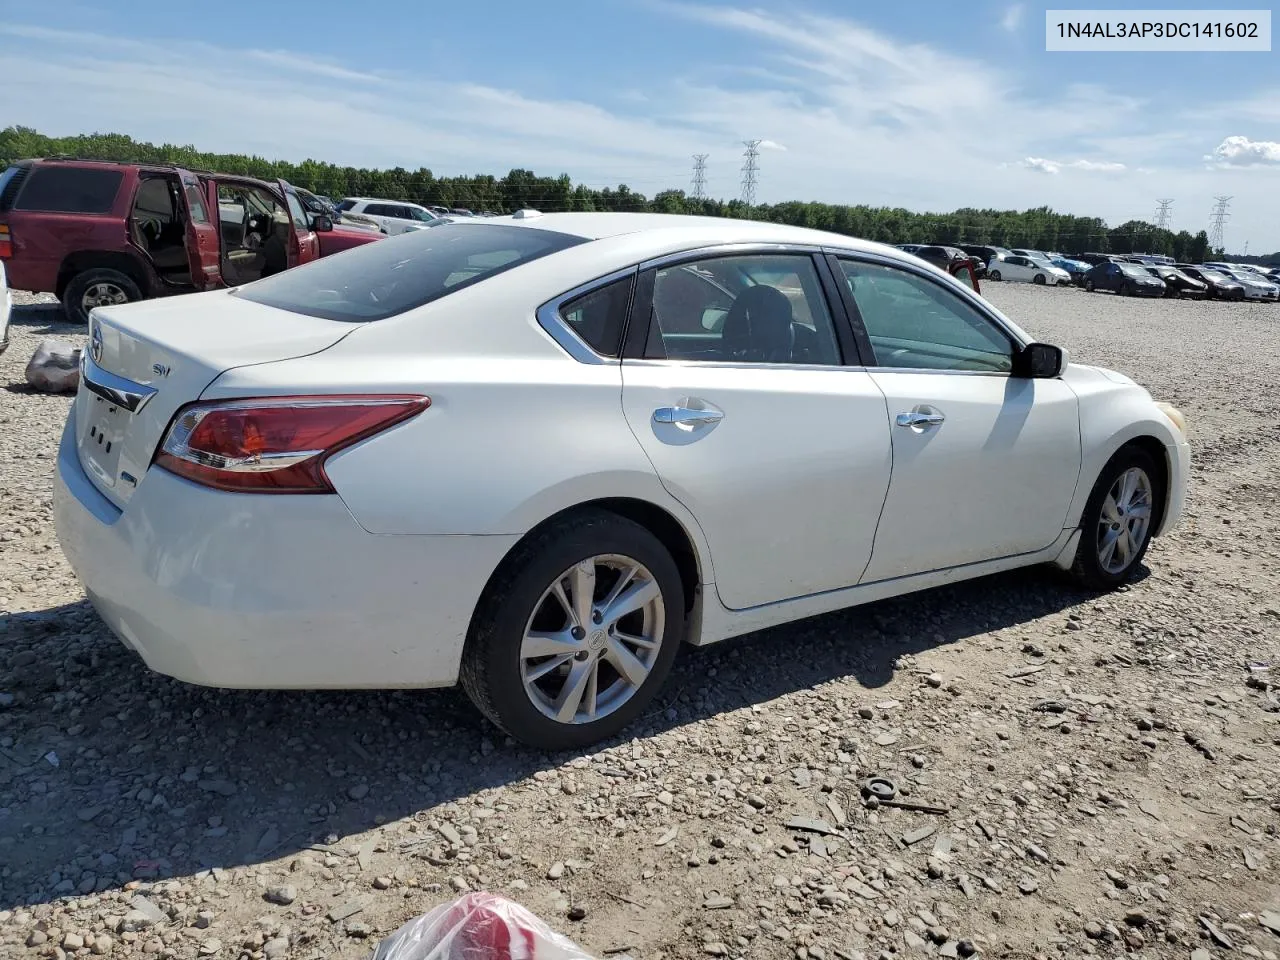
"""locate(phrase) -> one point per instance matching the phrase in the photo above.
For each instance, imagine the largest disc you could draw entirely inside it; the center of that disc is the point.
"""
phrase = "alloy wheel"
(1124, 520)
(593, 639)
(102, 294)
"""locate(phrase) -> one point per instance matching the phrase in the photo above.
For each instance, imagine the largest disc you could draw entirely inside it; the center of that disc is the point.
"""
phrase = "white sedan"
(1028, 269)
(6, 308)
(537, 454)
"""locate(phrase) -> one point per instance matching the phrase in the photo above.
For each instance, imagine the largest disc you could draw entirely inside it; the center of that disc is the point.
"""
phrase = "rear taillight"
(275, 444)
(6, 242)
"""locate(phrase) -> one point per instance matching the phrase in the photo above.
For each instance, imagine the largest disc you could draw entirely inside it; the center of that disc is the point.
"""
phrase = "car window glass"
(296, 212)
(599, 316)
(742, 309)
(195, 203)
(70, 190)
(915, 322)
(380, 280)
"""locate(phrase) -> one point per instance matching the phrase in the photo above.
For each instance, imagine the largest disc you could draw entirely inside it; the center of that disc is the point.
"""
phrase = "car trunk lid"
(146, 360)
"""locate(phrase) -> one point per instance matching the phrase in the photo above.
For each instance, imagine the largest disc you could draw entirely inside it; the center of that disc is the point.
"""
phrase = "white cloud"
(1041, 165)
(865, 117)
(1243, 152)
(1012, 18)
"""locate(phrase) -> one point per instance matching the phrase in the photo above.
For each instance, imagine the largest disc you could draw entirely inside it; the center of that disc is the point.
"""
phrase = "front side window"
(380, 280)
(742, 309)
(916, 323)
(598, 317)
(195, 203)
(296, 213)
(70, 190)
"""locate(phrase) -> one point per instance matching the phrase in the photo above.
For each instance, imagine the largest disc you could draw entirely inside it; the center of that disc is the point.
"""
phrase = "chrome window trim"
(754, 248)
(558, 329)
(973, 299)
(742, 365)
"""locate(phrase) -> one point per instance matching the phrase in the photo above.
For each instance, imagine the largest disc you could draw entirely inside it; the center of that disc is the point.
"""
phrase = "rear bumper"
(252, 591)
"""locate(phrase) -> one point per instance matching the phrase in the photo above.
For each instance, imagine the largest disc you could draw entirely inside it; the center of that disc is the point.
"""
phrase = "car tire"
(99, 286)
(499, 670)
(994, 275)
(1039, 279)
(1088, 286)
(1112, 521)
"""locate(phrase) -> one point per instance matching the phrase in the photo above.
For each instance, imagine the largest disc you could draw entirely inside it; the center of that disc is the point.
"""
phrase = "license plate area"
(101, 439)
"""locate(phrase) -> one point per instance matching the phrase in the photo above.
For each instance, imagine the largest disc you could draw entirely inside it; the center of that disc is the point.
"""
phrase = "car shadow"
(109, 772)
(43, 318)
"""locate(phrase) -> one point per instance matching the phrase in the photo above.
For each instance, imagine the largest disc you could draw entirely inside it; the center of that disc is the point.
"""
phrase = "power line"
(1218, 220)
(750, 171)
(700, 176)
(1162, 214)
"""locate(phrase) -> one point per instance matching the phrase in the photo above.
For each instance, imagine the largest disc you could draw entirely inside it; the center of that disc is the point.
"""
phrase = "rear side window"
(390, 277)
(70, 190)
(196, 204)
(10, 183)
(598, 317)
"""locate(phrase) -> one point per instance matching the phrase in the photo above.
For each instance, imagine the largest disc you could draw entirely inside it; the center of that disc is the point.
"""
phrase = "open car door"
(204, 251)
(964, 272)
(304, 245)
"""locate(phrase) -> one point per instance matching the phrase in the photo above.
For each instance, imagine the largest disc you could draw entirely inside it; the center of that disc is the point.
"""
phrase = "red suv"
(96, 233)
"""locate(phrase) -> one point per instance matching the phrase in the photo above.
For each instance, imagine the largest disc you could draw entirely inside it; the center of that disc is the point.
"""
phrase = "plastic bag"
(478, 926)
(54, 367)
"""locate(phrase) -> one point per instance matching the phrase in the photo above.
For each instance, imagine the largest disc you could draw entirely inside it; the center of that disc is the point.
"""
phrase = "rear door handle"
(917, 418)
(686, 415)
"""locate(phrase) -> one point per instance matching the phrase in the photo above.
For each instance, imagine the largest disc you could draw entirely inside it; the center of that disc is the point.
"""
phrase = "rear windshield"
(382, 279)
(70, 190)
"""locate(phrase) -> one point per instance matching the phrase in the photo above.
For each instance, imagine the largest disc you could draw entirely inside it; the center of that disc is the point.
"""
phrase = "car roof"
(708, 230)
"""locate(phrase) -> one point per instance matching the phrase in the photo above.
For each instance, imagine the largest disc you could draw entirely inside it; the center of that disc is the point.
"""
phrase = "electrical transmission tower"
(1218, 220)
(1162, 214)
(700, 176)
(750, 171)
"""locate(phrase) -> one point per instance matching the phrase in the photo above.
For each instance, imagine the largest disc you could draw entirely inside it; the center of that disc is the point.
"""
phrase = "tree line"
(1040, 228)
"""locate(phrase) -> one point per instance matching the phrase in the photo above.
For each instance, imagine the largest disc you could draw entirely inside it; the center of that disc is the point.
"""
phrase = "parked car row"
(98, 233)
(1140, 274)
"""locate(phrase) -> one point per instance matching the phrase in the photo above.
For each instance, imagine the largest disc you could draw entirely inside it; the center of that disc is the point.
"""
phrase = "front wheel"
(994, 275)
(1118, 520)
(1088, 286)
(1039, 279)
(576, 633)
(98, 287)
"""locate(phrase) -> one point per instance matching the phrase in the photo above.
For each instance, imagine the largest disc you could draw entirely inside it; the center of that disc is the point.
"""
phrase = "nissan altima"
(537, 454)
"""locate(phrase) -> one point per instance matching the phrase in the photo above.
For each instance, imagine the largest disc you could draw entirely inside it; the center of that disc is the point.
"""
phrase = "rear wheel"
(994, 275)
(576, 633)
(1118, 520)
(98, 287)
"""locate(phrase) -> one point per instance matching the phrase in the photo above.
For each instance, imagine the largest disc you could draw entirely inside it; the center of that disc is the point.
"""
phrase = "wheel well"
(657, 521)
(1154, 449)
(75, 263)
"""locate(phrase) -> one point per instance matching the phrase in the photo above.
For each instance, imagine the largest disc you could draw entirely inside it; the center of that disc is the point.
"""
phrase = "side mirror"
(1039, 361)
(321, 223)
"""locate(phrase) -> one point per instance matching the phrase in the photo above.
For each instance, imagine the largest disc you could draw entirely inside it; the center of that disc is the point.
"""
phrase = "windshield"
(1133, 270)
(1214, 275)
(380, 280)
(426, 216)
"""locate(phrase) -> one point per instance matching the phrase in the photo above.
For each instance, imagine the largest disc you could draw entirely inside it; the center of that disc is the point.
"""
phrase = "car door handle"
(686, 415)
(918, 419)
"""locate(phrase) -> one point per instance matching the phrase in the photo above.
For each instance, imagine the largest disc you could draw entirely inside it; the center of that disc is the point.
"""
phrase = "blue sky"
(928, 105)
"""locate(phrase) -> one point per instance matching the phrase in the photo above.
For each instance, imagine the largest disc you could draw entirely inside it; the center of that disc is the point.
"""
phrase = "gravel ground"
(1110, 765)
